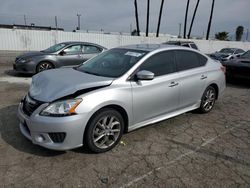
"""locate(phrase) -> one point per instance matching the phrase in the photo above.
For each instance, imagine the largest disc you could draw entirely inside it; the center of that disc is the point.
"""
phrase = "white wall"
(28, 40)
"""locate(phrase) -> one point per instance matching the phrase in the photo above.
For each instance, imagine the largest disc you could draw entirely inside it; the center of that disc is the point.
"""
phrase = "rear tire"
(44, 66)
(208, 100)
(104, 130)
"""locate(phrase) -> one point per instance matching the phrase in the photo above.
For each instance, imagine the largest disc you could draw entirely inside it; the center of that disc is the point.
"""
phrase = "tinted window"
(239, 51)
(194, 46)
(160, 64)
(187, 60)
(186, 45)
(203, 59)
(246, 54)
(227, 50)
(91, 49)
(75, 49)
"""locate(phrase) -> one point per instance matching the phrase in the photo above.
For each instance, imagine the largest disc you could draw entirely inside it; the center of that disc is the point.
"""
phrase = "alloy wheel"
(106, 132)
(209, 99)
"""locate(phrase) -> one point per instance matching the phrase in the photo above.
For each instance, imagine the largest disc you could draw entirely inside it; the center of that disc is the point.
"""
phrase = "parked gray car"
(63, 54)
(226, 54)
(117, 91)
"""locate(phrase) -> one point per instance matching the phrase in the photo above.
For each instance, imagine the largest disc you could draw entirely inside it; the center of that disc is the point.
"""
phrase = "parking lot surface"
(191, 150)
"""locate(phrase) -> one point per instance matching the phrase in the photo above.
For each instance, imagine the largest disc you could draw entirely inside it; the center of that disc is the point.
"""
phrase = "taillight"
(223, 68)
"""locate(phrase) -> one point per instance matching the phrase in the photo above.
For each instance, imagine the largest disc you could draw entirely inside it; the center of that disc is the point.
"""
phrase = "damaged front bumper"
(57, 133)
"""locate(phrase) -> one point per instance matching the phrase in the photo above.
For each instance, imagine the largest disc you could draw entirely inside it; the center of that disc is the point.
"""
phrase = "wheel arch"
(119, 109)
(215, 86)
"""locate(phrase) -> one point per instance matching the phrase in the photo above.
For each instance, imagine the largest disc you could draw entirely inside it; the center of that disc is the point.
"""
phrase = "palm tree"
(136, 17)
(147, 18)
(210, 20)
(159, 20)
(190, 29)
(185, 23)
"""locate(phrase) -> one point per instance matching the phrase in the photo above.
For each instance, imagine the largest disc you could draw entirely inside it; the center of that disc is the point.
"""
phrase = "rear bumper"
(43, 131)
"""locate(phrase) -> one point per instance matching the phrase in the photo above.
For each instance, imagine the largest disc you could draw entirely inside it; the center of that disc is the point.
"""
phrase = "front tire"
(104, 130)
(208, 100)
(44, 66)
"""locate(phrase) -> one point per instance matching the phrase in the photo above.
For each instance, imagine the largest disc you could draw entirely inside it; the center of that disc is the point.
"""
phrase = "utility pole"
(56, 22)
(147, 18)
(25, 21)
(210, 20)
(159, 20)
(79, 27)
(195, 10)
(136, 17)
(179, 36)
(185, 22)
(247, 35)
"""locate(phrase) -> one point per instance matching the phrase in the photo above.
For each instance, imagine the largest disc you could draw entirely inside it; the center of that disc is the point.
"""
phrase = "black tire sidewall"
(90, 128)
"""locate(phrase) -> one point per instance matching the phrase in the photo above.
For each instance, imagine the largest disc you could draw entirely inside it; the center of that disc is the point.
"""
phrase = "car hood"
(218, 54)
(31, 54)
(54, 84)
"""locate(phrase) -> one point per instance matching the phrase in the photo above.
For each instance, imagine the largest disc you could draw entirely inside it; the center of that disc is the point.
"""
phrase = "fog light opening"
(39, 138)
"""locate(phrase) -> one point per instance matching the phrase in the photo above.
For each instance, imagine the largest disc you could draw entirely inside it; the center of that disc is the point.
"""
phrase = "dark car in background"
(188, 44)
(226, 54)
(238, 68)
(59, 55)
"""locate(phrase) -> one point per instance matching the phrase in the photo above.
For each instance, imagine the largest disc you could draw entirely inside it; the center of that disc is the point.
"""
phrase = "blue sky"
(118, 15)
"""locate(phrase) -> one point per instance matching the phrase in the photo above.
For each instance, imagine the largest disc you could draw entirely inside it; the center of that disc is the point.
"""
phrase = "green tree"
(239, 33)
(222, 35)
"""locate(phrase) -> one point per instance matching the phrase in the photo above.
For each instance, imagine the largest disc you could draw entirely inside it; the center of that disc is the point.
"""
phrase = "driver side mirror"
(145, 75)
(62, 53)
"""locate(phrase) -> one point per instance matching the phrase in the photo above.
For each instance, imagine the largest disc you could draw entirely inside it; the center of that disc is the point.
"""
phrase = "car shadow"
(17, 74)
(10, 133)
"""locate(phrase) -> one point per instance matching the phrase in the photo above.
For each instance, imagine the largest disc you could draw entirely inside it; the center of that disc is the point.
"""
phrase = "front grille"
(30, 105)
(57, 137)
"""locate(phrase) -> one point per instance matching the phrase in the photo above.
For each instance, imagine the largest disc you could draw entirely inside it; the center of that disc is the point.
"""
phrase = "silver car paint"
(142, 107)
(50, 85)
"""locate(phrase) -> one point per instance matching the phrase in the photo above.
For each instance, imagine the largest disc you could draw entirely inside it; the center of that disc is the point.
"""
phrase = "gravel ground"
(191, 150)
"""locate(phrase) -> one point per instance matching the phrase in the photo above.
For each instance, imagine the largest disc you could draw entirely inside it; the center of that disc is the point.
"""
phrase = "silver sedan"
(117, 91)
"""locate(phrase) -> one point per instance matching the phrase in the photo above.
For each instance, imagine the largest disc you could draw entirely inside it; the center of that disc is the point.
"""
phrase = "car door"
(192, 76)
(70, 56)
(160, 95)
(89, 51)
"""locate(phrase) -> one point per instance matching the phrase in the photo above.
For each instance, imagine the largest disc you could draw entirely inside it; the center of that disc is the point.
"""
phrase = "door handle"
(203, 77)
(173, 84)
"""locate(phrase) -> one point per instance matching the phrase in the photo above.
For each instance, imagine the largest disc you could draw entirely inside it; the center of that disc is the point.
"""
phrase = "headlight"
(61, 108)
(25, 60)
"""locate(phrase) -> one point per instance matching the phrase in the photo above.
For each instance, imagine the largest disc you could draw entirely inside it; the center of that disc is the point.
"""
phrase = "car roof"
(80, 42)
(179, 42)
(149, 47)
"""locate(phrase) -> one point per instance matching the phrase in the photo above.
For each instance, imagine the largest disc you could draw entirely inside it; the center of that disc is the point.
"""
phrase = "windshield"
(227, 50)
(113, 63)
(246, 54)
(54, 48)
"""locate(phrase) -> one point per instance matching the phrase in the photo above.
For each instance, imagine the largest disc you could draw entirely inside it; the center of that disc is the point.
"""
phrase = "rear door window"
(187, 60)
(88, 49)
